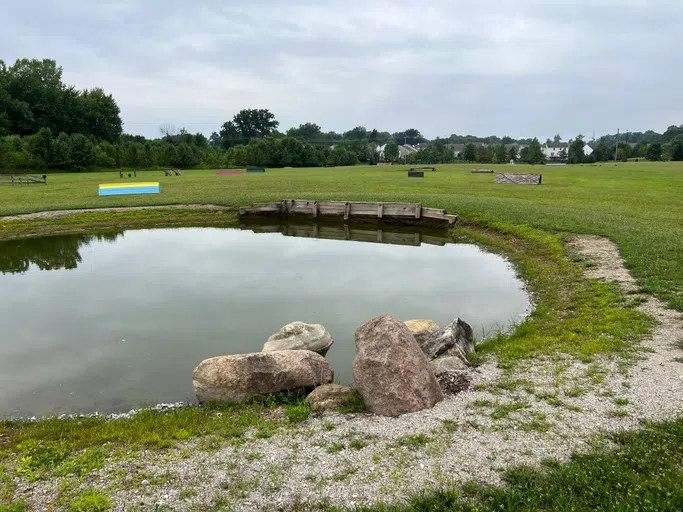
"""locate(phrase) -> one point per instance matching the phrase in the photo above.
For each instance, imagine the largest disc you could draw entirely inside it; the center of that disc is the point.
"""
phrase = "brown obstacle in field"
(228, 172)
(519, 179)
(482, 171)
(401, 213)
(22, 179)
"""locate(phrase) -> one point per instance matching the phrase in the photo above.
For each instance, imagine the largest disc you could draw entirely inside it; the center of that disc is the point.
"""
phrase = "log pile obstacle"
(519, 179)
(397, 213)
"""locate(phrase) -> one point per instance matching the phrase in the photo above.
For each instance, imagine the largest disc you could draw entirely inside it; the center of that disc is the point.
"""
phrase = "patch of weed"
(91, 500)
(353, 403)
(413, 441)
(503, 410)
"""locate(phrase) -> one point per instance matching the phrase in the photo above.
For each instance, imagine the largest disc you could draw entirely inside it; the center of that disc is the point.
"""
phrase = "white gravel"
(567, 405)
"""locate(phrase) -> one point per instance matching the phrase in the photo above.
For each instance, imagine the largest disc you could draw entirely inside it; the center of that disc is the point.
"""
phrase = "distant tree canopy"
(47, 124)
(33, 96)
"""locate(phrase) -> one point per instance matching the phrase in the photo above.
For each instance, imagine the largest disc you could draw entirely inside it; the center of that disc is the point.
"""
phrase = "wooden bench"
(22, 179)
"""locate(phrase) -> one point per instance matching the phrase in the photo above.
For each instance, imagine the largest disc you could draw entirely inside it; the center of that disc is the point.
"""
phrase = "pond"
(117, 321)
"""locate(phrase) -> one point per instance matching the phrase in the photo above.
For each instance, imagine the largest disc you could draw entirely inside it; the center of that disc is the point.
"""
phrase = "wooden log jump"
(482, 171)
(519, 179)
(401, 213)
(22, 179)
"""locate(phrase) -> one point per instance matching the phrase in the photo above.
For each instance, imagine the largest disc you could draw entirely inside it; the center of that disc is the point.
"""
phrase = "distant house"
(404, 150)
(552, 150)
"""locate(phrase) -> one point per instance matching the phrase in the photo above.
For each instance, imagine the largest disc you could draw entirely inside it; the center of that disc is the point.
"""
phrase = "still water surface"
(111, 322)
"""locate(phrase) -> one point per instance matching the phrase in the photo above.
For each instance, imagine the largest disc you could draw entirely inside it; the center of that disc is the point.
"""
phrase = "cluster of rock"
(400, 367)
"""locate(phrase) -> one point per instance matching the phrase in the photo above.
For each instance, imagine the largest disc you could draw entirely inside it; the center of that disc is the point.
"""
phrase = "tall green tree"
(535, 154)
(41, 147)
(484, 154)
(391, 151)
(469, 153)
(576, 154)
(501, 154)
(82, 152)
(677, 151)
(654, 152)
(513, 154)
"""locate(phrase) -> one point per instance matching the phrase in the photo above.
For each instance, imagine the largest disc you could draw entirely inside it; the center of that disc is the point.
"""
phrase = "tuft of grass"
(617, 413)
(480, 403)
(621, 402)
(91, 500)
(357, 444)
(574, 392)
(335, 447)
(503, 410)
(353, 404)
(413, 441)
(298, 412)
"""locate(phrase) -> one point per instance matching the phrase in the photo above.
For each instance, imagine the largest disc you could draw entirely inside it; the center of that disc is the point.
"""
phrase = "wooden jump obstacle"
(172, 172)
(482, 171)
(346, 232)
(423, 168)
(120, 189)
(519, 179)
(416, 174)
(400, 213)
(22, 179)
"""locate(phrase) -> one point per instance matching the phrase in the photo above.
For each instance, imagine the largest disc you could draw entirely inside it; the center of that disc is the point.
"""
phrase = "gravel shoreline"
(548, 408)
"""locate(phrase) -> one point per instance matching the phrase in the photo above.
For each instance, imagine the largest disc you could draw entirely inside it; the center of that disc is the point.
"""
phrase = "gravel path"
(65, 213)
(547, 408)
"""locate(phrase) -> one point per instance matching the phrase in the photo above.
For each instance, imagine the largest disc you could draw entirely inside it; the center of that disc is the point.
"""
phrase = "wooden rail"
(400, 213)
(22, 179)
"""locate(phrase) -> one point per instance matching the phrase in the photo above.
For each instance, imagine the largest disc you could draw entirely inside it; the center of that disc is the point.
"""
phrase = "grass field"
(638, 205)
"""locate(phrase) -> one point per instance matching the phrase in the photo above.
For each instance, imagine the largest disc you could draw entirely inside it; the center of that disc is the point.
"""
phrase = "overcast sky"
(522, 68)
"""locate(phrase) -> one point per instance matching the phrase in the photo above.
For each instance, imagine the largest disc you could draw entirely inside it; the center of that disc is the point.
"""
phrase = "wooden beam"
(347, 211)
(380, 210)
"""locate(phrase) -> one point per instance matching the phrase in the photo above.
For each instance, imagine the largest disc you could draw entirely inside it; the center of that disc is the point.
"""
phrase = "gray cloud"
(523, 68)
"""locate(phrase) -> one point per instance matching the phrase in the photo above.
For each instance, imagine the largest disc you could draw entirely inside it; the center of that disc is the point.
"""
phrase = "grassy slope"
(638, 205)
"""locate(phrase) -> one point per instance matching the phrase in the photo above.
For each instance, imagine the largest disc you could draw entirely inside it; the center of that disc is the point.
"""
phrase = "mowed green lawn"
(638, 205)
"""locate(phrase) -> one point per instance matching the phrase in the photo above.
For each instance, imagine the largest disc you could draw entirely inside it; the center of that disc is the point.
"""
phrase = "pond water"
(112, 322)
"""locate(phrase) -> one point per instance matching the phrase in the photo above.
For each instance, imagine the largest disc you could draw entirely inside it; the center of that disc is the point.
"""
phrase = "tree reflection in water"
(47, 253)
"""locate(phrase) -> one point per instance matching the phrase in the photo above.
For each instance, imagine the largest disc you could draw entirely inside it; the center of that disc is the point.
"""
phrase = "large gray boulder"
(456, 339)
(422, 330)
(329, 396)
(392, 374)
(238, 377)
(453, 374)
(300, 336)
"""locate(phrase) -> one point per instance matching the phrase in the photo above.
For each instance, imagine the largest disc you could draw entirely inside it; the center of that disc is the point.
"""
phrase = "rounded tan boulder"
(300, 336)
(238, 377)
(422, 329)
(391, 372)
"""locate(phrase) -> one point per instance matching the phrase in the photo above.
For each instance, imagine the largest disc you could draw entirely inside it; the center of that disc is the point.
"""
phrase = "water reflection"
(47, 253)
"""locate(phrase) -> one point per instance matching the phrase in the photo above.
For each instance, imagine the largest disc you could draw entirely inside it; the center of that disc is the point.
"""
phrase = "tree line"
(47, 124)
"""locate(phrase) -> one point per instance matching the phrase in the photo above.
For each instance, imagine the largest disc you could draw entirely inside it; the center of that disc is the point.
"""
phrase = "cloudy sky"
(516, 67)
